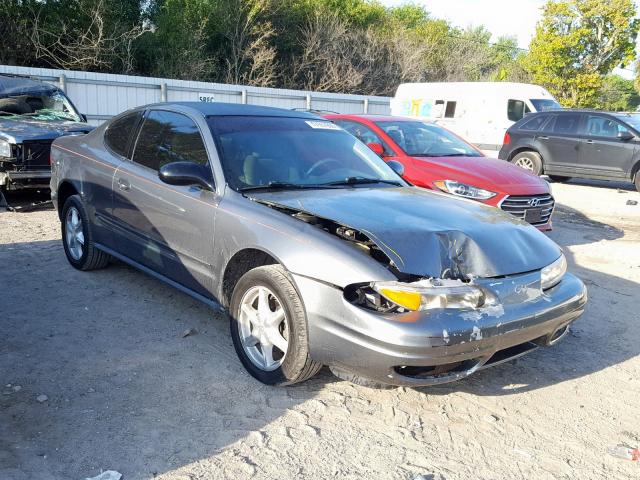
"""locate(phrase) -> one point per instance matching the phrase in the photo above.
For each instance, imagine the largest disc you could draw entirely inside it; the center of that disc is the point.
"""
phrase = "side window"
(566, 124)
(598, 126)
(516, 110)
(167, 137)
(450, 111)
(362, 133)
(118, 134)
(534, 123)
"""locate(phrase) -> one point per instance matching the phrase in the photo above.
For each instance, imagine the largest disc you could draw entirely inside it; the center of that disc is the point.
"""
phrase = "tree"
(577, 43)
(618, 94)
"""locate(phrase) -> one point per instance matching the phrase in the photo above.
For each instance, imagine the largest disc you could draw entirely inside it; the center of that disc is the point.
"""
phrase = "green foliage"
(577, 43)
(618, 94)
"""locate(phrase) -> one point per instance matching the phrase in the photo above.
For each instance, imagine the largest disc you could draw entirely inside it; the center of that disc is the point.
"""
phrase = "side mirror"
(377, 148)
(624, 136)
(187, 173)
(396, 167)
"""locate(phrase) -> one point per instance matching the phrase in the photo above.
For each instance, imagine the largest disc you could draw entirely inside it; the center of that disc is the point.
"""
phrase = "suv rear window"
(119, 132)
(534, 123)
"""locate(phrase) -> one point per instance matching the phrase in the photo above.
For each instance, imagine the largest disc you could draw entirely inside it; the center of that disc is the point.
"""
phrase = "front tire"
(637, 181)
(269, 328)
(77, 237)
(529, 160)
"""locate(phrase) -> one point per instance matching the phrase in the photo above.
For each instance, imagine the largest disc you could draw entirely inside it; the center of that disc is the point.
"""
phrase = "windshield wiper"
(362, 180)
(282, 186)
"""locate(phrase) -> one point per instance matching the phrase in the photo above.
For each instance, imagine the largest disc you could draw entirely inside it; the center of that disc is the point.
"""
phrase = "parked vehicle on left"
(321, 253)
(32, 114)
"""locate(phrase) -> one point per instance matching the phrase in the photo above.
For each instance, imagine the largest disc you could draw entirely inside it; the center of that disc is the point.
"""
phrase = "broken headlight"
(463, 190)
(428, 294)
(553, 273)
(5, 149)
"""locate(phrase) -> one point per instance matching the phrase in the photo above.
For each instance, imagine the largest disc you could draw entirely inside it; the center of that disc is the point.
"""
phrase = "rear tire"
(559, 178)
(269, 327)
(77, 237)
(529, 160)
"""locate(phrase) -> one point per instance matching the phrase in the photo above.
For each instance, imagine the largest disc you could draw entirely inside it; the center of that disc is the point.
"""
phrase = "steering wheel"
(320, 163)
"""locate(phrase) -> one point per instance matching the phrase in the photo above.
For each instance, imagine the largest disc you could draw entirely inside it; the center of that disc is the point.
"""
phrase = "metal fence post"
(244, 96)
(62, 82)
(308, 99)
(366, 105)
(163, 92)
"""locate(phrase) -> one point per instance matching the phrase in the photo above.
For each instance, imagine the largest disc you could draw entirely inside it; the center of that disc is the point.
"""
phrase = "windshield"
(294, 152)
(421, 139)
(45, 104)
(544, 104)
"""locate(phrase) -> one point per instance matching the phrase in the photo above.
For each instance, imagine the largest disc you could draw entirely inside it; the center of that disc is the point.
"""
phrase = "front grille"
(35, 155)
(536, 209)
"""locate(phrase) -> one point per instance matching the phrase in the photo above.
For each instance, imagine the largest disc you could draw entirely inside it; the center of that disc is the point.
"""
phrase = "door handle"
(588, 141)
(123, 184)
(543, 137)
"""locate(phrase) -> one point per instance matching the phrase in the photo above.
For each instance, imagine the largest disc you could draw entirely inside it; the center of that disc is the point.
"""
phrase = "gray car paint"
(424, 229)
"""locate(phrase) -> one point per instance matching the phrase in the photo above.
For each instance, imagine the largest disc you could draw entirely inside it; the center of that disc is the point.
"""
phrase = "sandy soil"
(126, 392)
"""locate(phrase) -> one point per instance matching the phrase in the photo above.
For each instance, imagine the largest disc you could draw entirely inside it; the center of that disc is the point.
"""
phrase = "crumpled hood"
(429, 234)
(19, 130)
(482, 171)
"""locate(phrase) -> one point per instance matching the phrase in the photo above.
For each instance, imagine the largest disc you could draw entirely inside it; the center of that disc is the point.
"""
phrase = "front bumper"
(438, 346)
(17, 180)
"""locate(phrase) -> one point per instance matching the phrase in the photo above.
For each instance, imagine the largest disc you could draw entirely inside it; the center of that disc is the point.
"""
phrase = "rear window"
(534, 123)
(119, 132)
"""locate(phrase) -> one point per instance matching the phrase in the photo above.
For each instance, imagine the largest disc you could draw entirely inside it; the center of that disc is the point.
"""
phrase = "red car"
(435, 158)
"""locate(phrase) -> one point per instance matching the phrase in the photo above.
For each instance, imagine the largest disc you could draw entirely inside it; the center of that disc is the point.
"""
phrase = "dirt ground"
(125, 391)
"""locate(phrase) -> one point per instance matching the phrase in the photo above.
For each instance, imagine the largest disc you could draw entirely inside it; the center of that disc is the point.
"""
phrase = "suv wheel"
(77, 238)
(637, 181)
(529, 160)
(269, 327)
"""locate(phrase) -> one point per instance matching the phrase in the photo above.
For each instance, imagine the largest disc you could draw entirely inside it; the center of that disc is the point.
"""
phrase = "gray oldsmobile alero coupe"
(321, 253)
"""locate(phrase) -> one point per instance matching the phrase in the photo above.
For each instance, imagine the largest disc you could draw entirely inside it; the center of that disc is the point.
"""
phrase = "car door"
(559, 143)
(166, 228)
(603, 154)
(118, 138)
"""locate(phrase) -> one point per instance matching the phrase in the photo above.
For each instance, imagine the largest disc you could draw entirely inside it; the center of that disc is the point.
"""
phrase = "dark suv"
(576, 143)
(32, 115)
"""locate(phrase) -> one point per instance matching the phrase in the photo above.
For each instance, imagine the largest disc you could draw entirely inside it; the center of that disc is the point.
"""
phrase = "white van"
(479, 112)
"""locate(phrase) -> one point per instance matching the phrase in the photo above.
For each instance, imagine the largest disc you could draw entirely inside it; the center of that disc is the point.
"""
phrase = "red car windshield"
(420, 139)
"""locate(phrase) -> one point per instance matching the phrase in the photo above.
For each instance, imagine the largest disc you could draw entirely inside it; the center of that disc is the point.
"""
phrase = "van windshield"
(420, 139)
(40, 104)
(544, 104)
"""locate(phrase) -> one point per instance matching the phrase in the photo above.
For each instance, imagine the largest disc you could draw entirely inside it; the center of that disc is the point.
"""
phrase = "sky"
(514, 18)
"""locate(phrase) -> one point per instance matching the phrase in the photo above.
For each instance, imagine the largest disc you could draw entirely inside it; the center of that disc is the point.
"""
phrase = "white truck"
(480, 112)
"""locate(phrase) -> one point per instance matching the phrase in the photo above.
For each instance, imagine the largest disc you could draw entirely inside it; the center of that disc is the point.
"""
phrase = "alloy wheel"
(526, 163)
(264, 332)
(74, 235)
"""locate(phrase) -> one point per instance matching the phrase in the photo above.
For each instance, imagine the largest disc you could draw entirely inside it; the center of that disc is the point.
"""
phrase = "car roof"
(17, 84)
(372, 117)
(233, 109)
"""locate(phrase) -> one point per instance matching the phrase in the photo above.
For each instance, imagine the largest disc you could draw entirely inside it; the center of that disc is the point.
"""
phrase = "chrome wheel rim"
(74, 235)
(525, 162)
(264, 332)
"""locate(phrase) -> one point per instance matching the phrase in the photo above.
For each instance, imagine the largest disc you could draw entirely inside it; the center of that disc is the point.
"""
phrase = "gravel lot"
(125, 391)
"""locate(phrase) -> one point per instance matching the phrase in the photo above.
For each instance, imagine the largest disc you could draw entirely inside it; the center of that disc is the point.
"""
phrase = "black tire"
(559, 178)
(91, 258)
(529, 160)
(297, 365)
(637, 181)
